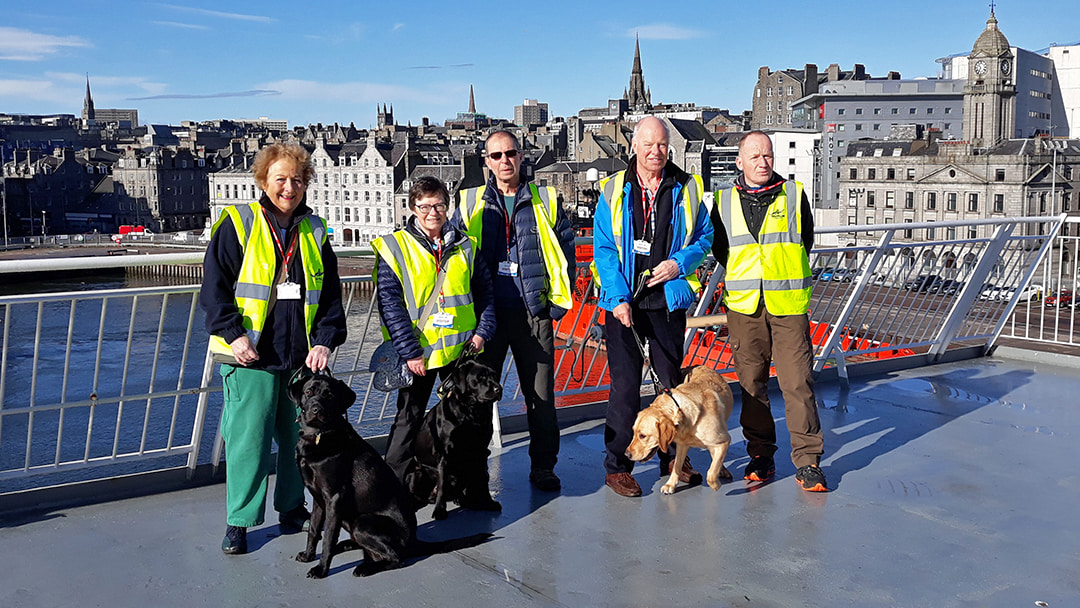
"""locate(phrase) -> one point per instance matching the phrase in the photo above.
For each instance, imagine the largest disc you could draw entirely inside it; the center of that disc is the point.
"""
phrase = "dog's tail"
(445, 546)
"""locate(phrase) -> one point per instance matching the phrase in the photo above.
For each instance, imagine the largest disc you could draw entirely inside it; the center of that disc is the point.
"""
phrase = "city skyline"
(337, 64)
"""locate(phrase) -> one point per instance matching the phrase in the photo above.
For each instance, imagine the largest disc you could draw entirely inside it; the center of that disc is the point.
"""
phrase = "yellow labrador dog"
(696, 417)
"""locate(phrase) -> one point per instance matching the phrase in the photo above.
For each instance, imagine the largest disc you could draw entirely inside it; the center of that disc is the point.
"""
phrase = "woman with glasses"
(462, 316)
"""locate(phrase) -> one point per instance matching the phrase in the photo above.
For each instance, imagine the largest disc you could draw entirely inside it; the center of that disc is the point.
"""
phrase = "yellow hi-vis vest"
(544, 203)
(258, 270)
(775, 263)
(612, 187)
(416, 268)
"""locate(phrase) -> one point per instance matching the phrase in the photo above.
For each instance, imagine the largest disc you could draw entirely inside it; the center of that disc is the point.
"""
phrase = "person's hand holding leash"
(622, 313)
(664, 271)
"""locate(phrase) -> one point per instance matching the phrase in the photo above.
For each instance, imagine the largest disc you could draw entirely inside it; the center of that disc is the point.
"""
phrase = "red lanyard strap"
(285, 255)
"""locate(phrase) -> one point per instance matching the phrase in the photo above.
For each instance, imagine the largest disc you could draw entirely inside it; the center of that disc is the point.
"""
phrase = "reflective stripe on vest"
(775, 264)
(544, 204)
(415, 267)
(257, 274)
(614, 188)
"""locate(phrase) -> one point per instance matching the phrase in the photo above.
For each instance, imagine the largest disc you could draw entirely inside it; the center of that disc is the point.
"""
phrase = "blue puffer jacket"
(391, 295)
(532, 278)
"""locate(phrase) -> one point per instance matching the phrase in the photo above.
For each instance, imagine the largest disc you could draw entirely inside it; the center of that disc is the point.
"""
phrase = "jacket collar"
(301, 211)
(775, 182)
(492, 191)
(451, 237)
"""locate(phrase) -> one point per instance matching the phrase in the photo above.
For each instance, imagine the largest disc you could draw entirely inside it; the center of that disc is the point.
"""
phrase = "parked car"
(923, 282)
(844, 275)
(1060, 299)
(1031, 293)
(827, 274)
(948, 287)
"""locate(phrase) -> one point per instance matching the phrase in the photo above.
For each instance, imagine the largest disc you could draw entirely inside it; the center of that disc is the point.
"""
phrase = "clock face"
(980, 67)
(1006, 67)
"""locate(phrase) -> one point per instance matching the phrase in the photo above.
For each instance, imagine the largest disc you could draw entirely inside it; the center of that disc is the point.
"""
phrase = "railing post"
(200, 413)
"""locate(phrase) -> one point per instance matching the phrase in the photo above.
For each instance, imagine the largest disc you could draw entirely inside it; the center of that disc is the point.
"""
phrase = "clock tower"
(990, 93)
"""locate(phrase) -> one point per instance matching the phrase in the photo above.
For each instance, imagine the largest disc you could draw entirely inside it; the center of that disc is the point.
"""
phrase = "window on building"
(890, 173)
(348, 216)
(999, 175)
(871, 198)
(1067, 171)
(853, 173)
(1066, 204)
(909, 200)
(890, 199)
(858, 111)
(973, 201)
(839, 127)
(1042, 202)
(910, 174)
(840, 111)
(791, 161)
(930, 233)
(948, 110)
(911, 111)
(877, 126)
(950, 234)
(858, 126)
(852, 198)
(950, 201)
(907, 233)
(999, 203)
(931, 201)
(929, 110)
(791, 145)
(768, 92)
(894, 110)
(871, 173)
(973, 232)
(877, 111)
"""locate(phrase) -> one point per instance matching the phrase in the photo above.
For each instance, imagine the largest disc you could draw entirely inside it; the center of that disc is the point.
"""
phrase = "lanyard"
(285, 255)
(506, 218)
(648, 203)
(438, 267)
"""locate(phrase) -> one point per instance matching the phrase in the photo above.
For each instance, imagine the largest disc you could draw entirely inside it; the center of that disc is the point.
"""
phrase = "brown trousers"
(757, 340)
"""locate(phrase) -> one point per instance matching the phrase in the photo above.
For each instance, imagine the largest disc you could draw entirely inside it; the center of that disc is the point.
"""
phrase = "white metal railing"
(99, 383)
(1047, 308)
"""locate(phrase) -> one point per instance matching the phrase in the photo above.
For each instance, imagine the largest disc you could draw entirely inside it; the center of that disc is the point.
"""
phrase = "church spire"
(88, 103)
(637, 97)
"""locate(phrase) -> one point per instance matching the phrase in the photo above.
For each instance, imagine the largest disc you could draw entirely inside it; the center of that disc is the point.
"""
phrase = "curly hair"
(269, 155)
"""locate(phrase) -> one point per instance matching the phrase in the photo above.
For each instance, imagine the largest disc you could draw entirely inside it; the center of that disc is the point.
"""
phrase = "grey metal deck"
(953, 485)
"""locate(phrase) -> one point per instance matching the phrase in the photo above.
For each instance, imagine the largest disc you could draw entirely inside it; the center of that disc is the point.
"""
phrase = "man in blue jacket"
(650, 218)
(528, 243)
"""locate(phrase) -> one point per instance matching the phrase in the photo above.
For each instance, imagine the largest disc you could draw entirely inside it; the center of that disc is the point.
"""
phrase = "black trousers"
(664, 331)
(532, 341)
(412, 405)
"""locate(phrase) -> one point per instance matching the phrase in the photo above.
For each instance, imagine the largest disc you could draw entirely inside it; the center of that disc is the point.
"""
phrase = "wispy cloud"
(100, 83)
(397, 26)
(440, 67)
(25, 91)
(250, 93)
(220, 14)
(23, 45)
(663, 31)
(189, 26)
(352, 92)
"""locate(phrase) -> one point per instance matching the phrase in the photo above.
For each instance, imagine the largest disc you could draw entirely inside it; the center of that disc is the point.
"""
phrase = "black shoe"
(545, 479)
(811, 479)
(760, 468)
(235, 542)
(295, 520)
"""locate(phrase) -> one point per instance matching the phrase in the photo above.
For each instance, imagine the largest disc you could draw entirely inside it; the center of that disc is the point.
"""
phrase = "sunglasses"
(499, 155)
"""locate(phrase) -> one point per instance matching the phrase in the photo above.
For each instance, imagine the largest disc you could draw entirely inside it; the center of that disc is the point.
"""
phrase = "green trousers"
(257, 411)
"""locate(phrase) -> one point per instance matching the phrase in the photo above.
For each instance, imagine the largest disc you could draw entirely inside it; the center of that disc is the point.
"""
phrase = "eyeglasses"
(426, 209)
(499, 155)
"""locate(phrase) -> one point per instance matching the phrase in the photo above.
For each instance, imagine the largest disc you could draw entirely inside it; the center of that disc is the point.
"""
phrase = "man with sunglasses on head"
(650, 233)
(528, 242)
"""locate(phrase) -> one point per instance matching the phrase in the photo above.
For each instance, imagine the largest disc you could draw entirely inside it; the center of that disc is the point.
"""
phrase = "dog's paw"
(367, 568)
(725, 474)
(316, 572)
(304, 557)
(714, 484)
(667, 488)
(439, 513)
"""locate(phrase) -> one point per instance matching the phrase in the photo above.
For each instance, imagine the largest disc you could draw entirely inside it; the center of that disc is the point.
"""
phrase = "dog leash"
(658, 385)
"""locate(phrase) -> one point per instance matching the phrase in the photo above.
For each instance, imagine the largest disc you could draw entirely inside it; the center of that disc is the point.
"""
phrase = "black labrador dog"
(353, 487)
(450, 450)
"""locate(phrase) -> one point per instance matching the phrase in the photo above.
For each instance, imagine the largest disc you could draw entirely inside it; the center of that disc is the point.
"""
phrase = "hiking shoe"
(761, 468)
(545, 480)
(295, 520)
(687, 474)
(235, 542)
(811, 479)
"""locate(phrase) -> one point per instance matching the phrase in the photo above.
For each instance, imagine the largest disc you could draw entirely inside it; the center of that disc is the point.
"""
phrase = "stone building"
(163, 189)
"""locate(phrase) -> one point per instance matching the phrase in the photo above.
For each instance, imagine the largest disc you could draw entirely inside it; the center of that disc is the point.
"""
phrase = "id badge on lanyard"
(507, 268)
(286, 290)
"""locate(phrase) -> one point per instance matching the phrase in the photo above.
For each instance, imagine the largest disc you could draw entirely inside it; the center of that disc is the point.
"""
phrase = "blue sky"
(316, 61)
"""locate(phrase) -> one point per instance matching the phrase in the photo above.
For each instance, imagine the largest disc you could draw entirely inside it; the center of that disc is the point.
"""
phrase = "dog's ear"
(343, 394)
(665, 432)
(296, 387)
